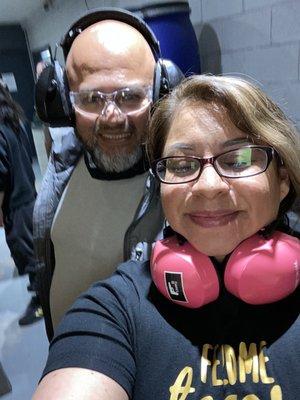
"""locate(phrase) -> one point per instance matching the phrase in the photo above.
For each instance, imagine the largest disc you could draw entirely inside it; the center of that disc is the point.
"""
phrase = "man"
(105, 213)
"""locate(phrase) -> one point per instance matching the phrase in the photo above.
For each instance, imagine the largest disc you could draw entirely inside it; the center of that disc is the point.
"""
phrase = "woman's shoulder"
(135, 272)
(129, 283)
(117, 298)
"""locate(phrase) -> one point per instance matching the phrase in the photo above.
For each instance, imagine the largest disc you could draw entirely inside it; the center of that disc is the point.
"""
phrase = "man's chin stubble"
(117, 162)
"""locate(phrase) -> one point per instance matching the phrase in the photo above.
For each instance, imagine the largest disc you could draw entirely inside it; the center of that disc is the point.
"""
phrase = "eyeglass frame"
(270, 152)
(148, 95)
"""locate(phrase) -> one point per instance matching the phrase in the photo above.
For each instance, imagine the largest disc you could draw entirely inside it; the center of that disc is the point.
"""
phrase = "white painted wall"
(258, 38)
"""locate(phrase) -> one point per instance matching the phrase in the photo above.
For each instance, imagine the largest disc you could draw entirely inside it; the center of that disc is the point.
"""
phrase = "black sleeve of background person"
(17, 181)
(19, 238)
(4, 164)
(23, 171)
(21, 182)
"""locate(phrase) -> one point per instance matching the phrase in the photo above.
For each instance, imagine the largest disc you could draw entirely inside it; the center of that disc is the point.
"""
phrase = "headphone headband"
(117, 14)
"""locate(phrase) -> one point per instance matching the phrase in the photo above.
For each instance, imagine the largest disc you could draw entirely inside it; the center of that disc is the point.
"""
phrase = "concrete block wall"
(255, 38)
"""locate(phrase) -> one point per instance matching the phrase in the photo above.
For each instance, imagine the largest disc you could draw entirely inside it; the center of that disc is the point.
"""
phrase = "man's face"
(112, 137)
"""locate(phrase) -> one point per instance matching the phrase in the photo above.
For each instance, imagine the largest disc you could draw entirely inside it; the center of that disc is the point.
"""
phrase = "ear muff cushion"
(156, 83)
(167, 75)
(42, 92)
(52, 97)
(261, 271)
(183, 274)
(63, 90)
(174, 73)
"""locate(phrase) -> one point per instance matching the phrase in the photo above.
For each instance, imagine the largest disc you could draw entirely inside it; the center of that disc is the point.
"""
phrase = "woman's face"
(213, 213)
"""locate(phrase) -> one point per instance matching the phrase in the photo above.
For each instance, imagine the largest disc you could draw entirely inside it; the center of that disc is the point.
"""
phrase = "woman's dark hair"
(10, 112)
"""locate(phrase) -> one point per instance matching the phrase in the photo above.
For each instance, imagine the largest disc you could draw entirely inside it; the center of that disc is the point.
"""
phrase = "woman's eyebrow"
(233, 142)
(178, 146)
(181, 146)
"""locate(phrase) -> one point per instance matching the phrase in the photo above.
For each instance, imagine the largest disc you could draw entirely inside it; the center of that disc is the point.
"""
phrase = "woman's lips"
(210, 219)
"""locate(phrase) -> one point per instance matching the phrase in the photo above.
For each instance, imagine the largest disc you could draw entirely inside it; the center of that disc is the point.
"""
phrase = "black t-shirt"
(123, 328)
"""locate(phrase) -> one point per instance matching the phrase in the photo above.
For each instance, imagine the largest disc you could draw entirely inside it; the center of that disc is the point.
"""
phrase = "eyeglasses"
(239, 163)
(126, 100)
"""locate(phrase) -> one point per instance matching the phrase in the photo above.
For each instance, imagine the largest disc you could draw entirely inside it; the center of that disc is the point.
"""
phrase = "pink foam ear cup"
(180, 271)
(262, 271)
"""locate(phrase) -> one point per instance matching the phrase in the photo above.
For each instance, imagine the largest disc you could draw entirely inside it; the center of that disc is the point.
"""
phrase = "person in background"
(17, 196)
(98, 205)
(215, 313)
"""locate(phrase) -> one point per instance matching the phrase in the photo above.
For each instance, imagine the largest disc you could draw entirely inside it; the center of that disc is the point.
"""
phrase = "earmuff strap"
(169, 232)
(269, 230)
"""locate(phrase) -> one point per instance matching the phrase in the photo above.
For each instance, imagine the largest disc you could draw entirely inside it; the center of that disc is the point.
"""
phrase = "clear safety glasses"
(126, 100)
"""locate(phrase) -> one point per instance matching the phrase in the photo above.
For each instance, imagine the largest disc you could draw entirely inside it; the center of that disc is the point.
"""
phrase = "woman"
(228, 163)
(17, 195)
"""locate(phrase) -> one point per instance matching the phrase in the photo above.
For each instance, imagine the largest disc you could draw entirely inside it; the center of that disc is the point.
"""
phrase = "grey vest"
(145, 228)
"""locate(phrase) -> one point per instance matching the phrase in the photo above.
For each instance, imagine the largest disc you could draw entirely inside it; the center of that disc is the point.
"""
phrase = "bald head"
(107, 57)
(108, 47)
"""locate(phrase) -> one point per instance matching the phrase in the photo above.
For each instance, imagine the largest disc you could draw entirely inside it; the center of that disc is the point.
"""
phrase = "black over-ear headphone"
(53, 105)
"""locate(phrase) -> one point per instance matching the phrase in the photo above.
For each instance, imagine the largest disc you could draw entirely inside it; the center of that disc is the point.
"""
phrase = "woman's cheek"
(172, 200)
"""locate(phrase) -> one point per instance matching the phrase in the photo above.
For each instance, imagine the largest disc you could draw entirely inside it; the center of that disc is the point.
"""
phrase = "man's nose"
(111, 111)
(209, 184)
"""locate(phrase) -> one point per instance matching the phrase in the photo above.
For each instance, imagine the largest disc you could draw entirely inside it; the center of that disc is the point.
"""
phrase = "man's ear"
(284, 182)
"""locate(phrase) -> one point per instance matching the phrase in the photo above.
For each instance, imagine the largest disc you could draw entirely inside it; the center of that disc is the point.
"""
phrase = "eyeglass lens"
(127, 100)
(243, 162)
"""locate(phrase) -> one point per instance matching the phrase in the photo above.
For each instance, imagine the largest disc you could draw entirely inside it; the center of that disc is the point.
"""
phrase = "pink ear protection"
(259, 271)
